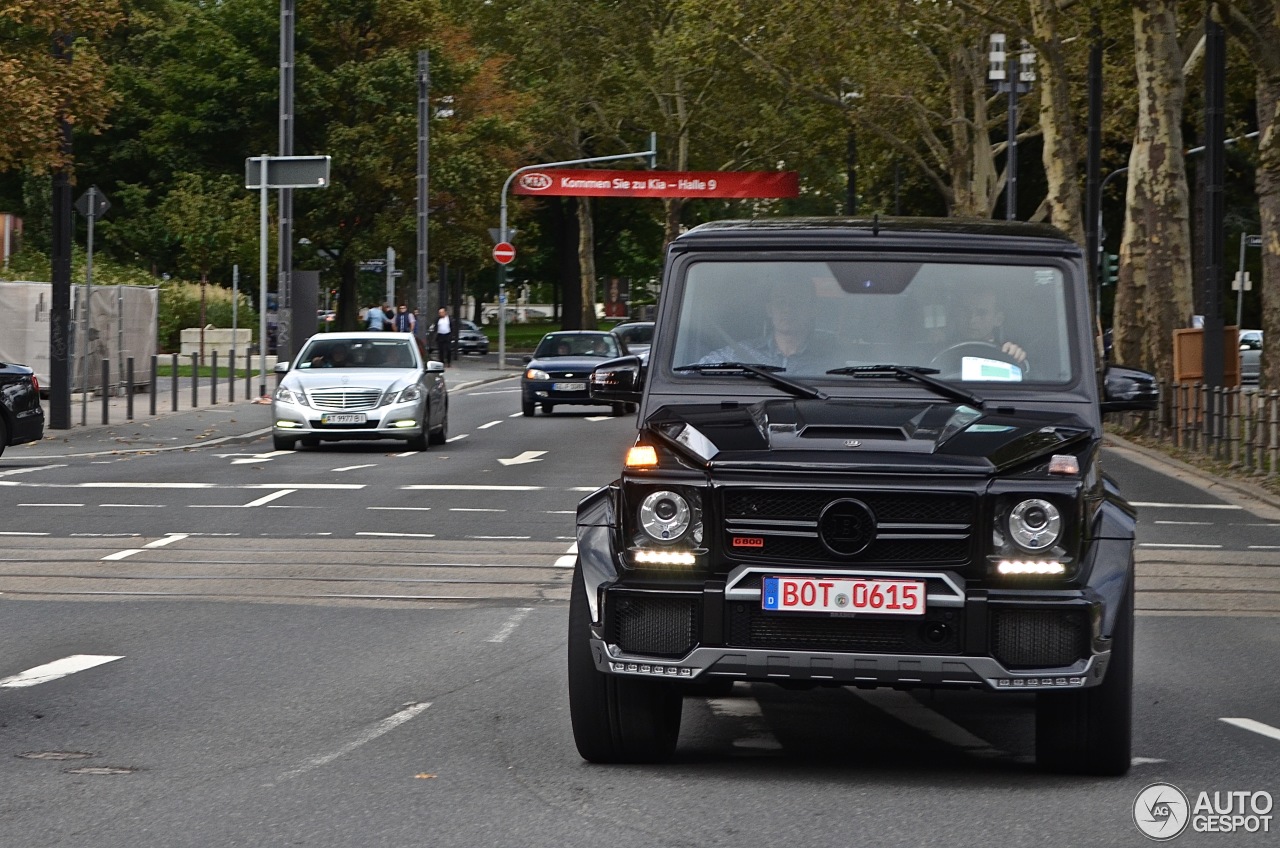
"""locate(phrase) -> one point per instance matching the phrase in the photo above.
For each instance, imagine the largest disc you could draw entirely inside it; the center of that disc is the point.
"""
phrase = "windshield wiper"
(768, 373)
(918, 373)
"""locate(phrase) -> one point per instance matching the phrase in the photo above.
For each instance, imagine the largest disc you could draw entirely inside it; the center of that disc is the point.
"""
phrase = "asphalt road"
(354, 645)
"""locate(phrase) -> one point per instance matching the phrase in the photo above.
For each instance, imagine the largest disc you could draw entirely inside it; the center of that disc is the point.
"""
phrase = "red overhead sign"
(659, 183)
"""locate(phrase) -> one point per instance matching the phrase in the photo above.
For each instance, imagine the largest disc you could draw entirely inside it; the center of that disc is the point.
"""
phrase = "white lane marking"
(569, 559)
(473, 509)
(325, 486)
(118, 555)
(1267, 524)
(266, 499)
(1264, 547)
(398, 535)
(386, 725)
(54, 670)
(516, 415)
(496, 392)
(909, 711)
(748, 710)
(523, 458)
(256, 457)
(1146, 761)
(598, 418)
(51, 504)
(169, 539)
(1186, 523)
(583, 488)
(402, 508)
(133, 506)
(498, 538)
(21, 533)
(1255, 726)
(12, 471)
(510, 626)
(406, 453)
(104, 535)
(1159, 505)
(1163, 545)
(457, 438)
(358, 467)
(438, 487)
(490, 424)
(560, 511)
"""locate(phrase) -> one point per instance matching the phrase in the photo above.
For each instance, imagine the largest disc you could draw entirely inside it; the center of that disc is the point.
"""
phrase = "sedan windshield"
(357, 353)
(578, 344)
(969, 322)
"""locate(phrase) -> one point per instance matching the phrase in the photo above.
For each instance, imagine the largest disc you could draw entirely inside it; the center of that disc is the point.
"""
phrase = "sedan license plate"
(816, 594)
(342, 418)
(569, 387)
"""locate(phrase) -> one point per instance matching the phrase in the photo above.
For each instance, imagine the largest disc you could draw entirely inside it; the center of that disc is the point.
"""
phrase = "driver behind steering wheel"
(982, 320)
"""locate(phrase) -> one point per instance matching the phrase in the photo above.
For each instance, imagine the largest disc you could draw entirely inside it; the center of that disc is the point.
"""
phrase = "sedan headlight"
(1035, 524)
(536, 374)
(665, 516)
(411, 393)
(287, 396)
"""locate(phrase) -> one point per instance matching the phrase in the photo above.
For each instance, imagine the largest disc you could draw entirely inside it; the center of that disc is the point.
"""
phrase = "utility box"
(1188, 356)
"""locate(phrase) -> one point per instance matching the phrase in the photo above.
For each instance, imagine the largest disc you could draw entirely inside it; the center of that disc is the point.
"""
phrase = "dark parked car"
(869, 454)
(1250, 356)
(21, 416)
(470, 339)
(557, 372)
(637, 336)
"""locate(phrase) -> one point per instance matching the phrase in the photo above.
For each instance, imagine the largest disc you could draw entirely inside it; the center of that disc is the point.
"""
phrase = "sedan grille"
(344, 399)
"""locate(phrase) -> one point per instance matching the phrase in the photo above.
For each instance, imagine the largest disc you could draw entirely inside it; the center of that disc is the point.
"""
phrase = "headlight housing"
(287, 396)
(1032, 536)
(1035, 525)
(665, 516)
(536, 374)
(410, 393)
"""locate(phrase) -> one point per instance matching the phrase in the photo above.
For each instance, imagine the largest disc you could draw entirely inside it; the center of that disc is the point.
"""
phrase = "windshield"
(357, 353)
(635, 334)
(578, 344)
(990, 323)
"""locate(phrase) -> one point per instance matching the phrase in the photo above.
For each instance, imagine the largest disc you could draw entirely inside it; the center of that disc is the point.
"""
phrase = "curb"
(1240, 487)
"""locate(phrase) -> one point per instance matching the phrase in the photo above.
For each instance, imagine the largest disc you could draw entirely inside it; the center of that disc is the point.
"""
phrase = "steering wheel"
(987, 350)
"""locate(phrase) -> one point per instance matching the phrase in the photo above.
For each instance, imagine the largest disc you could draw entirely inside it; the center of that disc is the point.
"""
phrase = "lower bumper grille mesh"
(750, 627)
(1039, 638)
(653, 625)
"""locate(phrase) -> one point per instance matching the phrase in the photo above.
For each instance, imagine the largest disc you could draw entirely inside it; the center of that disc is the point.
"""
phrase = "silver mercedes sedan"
(366, 385)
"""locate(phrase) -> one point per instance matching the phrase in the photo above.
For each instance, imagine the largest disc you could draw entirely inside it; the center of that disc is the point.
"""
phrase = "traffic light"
(1110, 269)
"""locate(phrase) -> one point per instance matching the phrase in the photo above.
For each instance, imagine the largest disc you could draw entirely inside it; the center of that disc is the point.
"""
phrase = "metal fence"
(1238, 426)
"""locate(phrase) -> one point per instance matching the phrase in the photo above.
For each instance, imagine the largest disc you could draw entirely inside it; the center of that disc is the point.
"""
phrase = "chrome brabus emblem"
(852, 443)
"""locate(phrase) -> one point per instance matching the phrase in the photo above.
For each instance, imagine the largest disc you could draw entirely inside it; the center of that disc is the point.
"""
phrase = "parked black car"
(869, 454)
(558, 371)
(21, 416)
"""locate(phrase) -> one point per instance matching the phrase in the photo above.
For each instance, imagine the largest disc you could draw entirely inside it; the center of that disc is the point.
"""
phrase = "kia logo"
(535, 181)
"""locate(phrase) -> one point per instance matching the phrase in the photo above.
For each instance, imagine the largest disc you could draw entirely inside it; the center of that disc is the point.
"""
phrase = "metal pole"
(1240, 282)
(106, 378)
(88, 311)
(120, 333)
(1093, 164)
(173, 377)
(213, 381)
(1011, 182)
(262, 276)
(128, 372)
(60, 255)
(235, 328)
(195, 380)
(424, 181)
(284, 279)
(1215, 169)
(155, 386)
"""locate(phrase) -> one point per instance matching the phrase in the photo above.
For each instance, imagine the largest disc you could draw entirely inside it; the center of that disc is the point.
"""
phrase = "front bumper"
(545, 391)
(391, 421)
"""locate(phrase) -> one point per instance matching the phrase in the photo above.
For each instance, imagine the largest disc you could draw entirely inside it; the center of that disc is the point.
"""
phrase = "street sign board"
(288, 171)
(93, 203)
(1253, 241)
(496, 234)
(1241, 276)
(376, 265)
(504, 252)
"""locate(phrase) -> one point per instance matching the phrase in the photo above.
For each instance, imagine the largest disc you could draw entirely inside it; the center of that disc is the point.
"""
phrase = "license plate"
(342, 418)
(569, 387)
(816, 594)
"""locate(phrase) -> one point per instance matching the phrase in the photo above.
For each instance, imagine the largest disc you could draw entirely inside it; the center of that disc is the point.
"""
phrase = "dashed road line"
(1178, 547)
(444, 487)
(386, 725)
(452, 439)
(510, 625)
(358, 467)
(1256, 726)
(397, 535)
(54, 670)
(401, 508)
(474, 509)
(1162, 505)
(490, 424)
(13, 471)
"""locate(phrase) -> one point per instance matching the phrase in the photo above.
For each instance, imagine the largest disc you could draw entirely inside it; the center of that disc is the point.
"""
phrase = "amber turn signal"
(642, 456)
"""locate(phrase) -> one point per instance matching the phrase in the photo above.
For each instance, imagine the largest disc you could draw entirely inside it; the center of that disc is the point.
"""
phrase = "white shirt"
(443, 325)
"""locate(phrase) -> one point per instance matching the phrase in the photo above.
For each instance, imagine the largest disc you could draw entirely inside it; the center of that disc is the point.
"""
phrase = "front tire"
(527, 407)
(1090, 731)
(283, 443)
(615, 719)
(440, 436)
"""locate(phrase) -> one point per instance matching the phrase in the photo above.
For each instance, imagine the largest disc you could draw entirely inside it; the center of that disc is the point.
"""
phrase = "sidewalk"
(226, 422)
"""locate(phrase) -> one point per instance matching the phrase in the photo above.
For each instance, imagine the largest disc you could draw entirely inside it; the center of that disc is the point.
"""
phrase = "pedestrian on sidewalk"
(444, 336)
(404, 322)
(376, 318)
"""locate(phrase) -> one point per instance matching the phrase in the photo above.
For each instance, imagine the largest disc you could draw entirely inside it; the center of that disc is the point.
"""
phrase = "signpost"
(504, 252)
(267, 172)
(93, 204)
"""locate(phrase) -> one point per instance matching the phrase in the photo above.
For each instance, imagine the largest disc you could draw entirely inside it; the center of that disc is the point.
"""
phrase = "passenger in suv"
(879, 506)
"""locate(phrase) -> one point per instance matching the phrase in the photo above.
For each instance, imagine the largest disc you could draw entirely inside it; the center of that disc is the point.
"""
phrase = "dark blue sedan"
(561, 366)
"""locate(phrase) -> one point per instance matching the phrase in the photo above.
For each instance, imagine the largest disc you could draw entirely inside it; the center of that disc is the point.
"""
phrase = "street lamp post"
(1012, 79)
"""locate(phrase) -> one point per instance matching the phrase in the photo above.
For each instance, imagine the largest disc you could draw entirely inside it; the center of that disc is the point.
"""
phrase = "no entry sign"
(504, 252)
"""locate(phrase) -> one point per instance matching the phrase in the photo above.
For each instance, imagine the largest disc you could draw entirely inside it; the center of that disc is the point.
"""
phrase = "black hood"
(863, 435)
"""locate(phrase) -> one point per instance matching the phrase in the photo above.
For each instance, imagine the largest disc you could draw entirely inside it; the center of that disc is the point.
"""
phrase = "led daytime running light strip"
(1030, 567)
(666, 557)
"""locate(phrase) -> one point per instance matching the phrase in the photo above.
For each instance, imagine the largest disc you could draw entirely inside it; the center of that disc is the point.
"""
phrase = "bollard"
(106, 381)
(154, 388)
(174, 378)
(248, 374)
(195, 380)
(231, 376)
(128, 389)
(1273, 403)
(213, 381)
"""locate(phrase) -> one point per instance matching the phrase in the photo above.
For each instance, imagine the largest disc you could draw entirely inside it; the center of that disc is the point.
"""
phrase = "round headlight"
(664, 516)
(1035, 524)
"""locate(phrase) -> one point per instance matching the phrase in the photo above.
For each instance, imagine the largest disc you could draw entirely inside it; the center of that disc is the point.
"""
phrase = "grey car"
(637, 335)
(364, 385)
(1250, 356)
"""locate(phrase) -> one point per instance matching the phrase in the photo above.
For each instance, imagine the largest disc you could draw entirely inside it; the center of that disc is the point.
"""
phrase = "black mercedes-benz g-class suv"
(869, 454)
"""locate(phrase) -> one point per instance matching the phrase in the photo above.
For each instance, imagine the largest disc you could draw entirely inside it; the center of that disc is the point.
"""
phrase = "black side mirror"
(1128, 388)
(618, 380)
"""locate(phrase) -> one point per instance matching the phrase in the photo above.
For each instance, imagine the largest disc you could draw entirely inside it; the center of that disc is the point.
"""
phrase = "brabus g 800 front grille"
(783, 525)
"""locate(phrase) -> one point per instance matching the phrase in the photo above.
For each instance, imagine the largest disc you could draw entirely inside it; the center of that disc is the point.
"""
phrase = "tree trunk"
(348, 307)
(1153, 296)
(1268, 187)
(1061, 155)
(587, 263)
